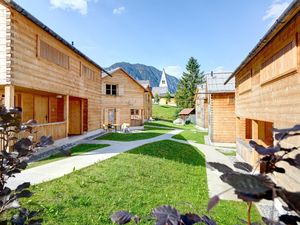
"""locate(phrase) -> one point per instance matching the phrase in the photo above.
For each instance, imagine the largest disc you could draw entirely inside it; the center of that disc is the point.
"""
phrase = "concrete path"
(62, 167)
(215, 184)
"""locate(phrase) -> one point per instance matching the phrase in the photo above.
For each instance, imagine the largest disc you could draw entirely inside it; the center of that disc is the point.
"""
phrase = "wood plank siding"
(40, 63)
(268, 94)
(222, 118)
(131, 103)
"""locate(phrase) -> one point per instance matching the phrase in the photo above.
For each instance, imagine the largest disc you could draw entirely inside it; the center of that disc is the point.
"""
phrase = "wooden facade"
(50, 80)
(268, 91)
(215, 108)
(124, 100)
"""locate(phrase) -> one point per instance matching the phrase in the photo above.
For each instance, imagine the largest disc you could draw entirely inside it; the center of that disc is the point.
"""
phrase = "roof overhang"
(12, 4)
(286, 16)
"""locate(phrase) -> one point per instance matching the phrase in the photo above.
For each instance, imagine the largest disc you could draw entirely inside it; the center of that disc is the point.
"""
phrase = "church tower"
(163, 80)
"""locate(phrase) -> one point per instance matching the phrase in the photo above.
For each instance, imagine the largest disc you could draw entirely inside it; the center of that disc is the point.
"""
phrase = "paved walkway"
(62, 167)
(215, 184)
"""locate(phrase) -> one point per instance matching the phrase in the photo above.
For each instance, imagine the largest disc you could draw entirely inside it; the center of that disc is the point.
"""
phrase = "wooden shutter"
(103, 88)
(121, 89)
(105, 116)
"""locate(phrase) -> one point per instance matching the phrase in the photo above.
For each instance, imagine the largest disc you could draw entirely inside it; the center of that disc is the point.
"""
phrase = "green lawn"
(79, 149)
(148, 132)
(164, 172)
(169, 125)
(164, 112)
(191, 135)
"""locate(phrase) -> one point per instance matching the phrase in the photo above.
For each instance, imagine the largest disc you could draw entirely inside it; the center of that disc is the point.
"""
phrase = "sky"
(161, 33)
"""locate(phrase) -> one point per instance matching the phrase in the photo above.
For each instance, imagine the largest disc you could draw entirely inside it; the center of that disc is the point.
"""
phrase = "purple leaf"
(213, 202)
(121, 217)
(166, 215)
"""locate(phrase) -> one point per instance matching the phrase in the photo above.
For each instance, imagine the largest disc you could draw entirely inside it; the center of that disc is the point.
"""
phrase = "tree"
(156, 98)
(187, 86)
(168, 98)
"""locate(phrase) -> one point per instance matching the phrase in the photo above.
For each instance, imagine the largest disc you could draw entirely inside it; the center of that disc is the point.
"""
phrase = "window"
(134, 112)
(90, 74)
(53, 55)
(163, 81)
(111, 89)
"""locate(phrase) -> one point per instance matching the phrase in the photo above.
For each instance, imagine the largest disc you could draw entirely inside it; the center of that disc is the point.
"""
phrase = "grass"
(148, 132)
(169, 125)
(191, 135)
(227, 152)
(164, 112)
(159, 173)
(79, 149)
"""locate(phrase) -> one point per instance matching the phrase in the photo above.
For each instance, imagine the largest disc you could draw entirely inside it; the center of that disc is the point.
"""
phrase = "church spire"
(163, 80)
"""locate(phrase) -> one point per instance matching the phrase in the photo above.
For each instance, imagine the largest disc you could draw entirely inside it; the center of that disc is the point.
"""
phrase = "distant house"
(187, 114)
(268, 91)
(215, 108)
(163, 90)
(124, 99)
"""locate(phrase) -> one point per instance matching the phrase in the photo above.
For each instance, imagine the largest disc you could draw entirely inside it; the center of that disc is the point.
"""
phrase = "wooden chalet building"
(214, 106)
(48, 78)
(124, 99)
(268, 90)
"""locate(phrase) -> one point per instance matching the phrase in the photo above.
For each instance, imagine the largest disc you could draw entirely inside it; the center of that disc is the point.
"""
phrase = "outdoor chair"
(125, 127)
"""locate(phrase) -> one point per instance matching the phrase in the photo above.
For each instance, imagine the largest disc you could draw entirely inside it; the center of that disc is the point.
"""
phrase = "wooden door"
(41, 104)
(111, 116)
(75, 116)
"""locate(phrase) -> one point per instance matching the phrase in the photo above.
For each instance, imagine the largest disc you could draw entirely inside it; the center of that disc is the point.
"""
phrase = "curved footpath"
(62, 167)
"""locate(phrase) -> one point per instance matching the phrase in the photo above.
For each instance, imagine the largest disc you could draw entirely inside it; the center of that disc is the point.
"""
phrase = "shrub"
(14, 154)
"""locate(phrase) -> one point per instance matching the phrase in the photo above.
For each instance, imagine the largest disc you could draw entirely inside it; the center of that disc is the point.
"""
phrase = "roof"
(29, 16)
(286, 16)
(186, 111)
(145, 83)
(215, 83)
(111, 72)
(161, 91)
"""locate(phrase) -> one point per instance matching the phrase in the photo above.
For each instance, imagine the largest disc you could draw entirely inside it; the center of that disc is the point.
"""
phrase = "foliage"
(156, 98)
(256, 187)
(168, 97)
(13, 156)
(164, 112)
(188, 84)
(164, 172)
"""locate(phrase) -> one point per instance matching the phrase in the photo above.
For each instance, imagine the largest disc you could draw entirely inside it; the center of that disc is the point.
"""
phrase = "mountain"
(143, 72)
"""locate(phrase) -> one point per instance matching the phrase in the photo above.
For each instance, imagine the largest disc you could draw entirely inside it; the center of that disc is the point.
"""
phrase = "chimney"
(212, 73)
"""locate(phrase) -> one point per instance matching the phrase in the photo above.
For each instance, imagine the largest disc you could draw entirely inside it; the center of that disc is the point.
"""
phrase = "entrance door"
(111, 116)
(41, 109)
(75, 116)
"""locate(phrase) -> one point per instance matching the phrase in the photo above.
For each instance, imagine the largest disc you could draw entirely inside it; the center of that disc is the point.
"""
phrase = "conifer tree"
(187, 86)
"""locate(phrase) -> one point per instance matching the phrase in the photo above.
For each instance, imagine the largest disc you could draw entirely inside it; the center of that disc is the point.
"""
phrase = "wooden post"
(67, 104)
(9, 92)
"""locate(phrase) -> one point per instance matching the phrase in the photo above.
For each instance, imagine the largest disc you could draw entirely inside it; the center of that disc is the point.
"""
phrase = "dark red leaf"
(213, 202)
(166, 215)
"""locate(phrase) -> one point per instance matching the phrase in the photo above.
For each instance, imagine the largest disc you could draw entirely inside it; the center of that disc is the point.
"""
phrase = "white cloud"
(275, 10)
(174, 70)
(219, 69)
(77, 5)
(119, 11)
